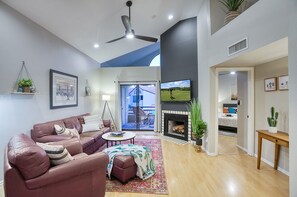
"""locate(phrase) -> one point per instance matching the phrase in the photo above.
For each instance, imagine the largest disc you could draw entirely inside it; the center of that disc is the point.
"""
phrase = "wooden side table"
(279, 138)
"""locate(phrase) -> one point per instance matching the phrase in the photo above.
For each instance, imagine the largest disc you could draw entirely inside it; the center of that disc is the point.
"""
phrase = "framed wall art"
(270, 84)
(63, 90)
(283, 82)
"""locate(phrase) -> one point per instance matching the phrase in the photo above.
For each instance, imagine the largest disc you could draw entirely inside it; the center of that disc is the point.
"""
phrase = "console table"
(279, 138)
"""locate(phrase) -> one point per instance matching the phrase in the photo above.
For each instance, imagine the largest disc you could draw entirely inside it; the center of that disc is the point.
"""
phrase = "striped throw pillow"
(65, 131)
(57, 153)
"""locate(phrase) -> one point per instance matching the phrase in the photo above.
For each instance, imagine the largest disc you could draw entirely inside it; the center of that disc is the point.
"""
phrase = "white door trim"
(251, 113)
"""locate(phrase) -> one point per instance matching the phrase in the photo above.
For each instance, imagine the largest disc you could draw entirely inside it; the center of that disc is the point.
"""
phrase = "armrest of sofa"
(74, 168)
(107, 123)
(73, 145)
(53, 138)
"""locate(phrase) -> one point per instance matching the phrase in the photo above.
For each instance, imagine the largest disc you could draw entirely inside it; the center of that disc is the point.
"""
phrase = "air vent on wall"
(237, 47)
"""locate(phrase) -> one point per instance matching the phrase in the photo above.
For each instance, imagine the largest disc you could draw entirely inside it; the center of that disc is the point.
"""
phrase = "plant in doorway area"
(272, 120)
(198, 125)
(232, 7)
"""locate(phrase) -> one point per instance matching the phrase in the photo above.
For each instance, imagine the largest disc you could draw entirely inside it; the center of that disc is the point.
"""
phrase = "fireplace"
(176, 125)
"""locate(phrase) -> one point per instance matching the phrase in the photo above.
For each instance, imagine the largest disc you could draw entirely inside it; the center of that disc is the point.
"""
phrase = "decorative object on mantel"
(24, 83)
(232, 7)
(88, 89)
(198, 125)
(272, 121)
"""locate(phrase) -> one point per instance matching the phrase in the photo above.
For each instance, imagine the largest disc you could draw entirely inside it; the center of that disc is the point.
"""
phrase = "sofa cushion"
(124, 161)
(96, 135)
(86, 141)
(44, 129)
(73, 122)
(31, 160)
(81, 120)
(58, 154)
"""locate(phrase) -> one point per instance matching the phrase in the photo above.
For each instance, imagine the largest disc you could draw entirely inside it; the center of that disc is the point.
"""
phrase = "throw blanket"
(142, 157)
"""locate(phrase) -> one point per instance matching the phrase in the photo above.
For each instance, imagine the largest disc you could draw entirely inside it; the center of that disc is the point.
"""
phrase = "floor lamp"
(106, 98)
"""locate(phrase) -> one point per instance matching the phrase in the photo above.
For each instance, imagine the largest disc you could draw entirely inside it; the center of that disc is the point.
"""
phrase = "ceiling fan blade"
(146, 38)
(126, 22)
(116, 39)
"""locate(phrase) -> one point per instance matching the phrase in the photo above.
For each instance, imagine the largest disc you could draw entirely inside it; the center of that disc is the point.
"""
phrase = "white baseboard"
(272, 165)
(240, 147)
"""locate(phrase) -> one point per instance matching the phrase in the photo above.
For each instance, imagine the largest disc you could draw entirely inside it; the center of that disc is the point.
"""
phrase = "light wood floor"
(227, 145)
(193, 174)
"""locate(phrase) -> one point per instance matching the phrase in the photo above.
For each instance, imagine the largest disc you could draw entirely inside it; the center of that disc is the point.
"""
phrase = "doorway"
(232, 128)
(243, 107)
(138, 106)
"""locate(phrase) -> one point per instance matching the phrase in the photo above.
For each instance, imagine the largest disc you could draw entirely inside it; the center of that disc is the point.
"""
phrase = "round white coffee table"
(112, 139)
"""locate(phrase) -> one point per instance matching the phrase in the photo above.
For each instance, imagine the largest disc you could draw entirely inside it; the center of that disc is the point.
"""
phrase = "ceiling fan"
(129, 33)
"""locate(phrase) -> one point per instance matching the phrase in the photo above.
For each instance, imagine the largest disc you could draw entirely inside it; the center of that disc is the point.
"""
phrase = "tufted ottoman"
(124, 168)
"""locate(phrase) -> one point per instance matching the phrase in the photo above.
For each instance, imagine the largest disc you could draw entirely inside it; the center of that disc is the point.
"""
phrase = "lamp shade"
(105, 97)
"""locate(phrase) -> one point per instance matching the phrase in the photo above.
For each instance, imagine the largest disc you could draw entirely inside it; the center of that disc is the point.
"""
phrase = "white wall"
(227, 85)
(293, 95)
(109, 78)
(264, 101)
(263, 23)
(21, 39)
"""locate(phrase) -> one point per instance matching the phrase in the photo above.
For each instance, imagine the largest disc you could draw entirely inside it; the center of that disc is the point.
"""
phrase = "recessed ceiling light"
(170, 17)
(96, 45)
(232, 72)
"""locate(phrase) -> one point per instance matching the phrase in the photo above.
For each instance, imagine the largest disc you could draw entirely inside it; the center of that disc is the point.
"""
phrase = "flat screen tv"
(176, 91)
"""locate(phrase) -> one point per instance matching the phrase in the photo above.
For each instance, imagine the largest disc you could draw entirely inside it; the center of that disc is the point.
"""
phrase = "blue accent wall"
(140, 57)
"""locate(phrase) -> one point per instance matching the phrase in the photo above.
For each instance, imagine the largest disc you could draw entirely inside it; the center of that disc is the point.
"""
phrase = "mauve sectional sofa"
(91, 141)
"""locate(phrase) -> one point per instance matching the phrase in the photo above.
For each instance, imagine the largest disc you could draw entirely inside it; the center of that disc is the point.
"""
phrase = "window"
(156, 61)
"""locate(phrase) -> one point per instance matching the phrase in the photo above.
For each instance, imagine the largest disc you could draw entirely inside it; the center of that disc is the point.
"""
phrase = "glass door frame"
(157, 101)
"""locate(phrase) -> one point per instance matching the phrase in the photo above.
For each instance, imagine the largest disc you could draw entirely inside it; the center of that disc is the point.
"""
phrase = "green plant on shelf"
(25, 83)
(232, 5)
(272, 120)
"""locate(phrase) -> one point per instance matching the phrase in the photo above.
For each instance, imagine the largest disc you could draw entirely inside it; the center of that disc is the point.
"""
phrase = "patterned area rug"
(154, 185)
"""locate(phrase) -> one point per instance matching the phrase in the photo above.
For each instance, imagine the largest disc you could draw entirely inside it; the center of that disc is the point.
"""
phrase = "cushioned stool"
(124, 168)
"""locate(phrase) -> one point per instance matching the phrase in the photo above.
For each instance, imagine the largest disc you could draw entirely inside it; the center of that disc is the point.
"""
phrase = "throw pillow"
(57, 153)
(90, 127)
(93, 119)
(65, 131)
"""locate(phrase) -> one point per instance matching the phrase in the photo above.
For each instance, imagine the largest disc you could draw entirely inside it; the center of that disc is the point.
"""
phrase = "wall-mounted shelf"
(24, 93)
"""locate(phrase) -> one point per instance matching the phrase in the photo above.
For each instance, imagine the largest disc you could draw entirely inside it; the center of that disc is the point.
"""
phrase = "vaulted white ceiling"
(81, 23)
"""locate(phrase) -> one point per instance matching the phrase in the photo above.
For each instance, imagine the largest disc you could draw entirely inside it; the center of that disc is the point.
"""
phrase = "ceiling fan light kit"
(129, 33)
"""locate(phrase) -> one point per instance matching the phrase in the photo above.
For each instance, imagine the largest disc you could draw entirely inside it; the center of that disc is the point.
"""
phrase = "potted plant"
(198, 125)
(232, 9)
(272, 121)
(25, 84)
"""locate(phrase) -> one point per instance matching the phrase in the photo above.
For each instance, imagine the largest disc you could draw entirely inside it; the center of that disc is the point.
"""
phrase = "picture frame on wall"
(63, 90)
(283, 82)
(270, 84)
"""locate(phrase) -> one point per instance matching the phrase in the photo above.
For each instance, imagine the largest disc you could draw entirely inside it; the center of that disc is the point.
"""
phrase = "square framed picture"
(283, 82)
(270, 84)
(63, 90)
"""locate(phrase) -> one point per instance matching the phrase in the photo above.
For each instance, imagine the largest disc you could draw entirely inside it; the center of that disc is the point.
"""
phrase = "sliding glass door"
(138, 106)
